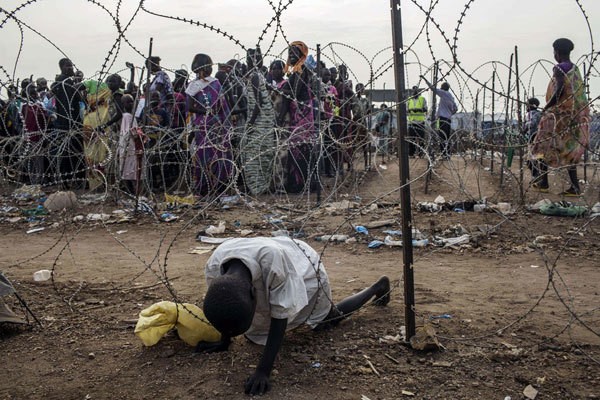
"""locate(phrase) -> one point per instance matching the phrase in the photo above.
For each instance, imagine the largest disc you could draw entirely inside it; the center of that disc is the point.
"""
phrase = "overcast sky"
(348, 30)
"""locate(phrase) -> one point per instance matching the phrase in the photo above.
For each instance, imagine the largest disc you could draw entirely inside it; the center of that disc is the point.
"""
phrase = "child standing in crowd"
(131, 149)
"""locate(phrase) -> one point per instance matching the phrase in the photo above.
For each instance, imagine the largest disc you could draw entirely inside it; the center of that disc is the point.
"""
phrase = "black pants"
(416, 136)
(445, 136)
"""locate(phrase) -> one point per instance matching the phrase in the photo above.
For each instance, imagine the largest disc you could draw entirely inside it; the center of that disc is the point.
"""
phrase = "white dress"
(126, 148)
(288, 277)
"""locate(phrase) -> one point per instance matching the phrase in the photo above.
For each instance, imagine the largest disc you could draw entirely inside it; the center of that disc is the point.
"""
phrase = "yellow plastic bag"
(158, 319)
(180, 200)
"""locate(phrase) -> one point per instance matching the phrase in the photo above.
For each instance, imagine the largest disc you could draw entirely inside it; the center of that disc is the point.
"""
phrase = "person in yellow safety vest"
(417, 112)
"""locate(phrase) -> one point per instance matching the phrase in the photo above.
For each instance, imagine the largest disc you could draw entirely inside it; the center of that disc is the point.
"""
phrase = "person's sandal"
(540, 188)
(571, 192)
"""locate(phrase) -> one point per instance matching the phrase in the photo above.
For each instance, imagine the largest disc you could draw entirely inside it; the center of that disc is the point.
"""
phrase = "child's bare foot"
(382, 297)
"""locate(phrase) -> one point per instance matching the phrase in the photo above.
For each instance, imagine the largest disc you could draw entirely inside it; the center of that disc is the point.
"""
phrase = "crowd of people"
(263, 129)
(276, 128)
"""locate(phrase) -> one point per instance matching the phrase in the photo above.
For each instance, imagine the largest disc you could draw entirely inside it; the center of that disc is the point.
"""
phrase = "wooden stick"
(372, 366)
(391, 358)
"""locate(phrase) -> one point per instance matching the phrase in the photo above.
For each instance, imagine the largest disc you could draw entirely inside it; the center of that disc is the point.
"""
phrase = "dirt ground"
(517, 306)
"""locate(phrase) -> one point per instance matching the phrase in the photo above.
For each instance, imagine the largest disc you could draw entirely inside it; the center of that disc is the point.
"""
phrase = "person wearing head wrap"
(298, 100)
(563, 132)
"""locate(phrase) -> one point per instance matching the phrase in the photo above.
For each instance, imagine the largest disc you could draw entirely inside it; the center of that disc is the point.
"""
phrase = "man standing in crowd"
(446, 109)
(417, 111)
(70, 165)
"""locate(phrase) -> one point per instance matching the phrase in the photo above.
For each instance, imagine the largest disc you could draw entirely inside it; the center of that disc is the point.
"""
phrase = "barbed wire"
(310, 165)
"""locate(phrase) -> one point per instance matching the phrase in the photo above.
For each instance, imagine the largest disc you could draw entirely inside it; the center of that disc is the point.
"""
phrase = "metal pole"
(318, 124)
(506, 114)
(493, 120)
(138, 177)
(521, 133)
(432, 125)
(587, 92)
(480, 140)
(407, 249)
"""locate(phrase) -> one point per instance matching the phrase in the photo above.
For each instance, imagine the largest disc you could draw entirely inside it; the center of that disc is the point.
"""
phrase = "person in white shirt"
(262, 287)
(446, 109)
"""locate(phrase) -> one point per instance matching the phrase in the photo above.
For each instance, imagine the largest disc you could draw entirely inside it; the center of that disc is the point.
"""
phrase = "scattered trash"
(379, 224)
(42, 275)
(246, 232)
(425, 339)
(211, 240)
(376, 244)
(595, 211)
(562, 209)
(178, 200)
(388, 241)
(332, 238)
(454, 241)
(536, 206)
(343, 205)
(534, 266)
(373, 207)
(28, 192)
(479, 207)
(168, 217)
(8, 209)
(459, 210)
(34, 230)
(439, 200)
(14, 219)
(504, 208)
(361, 229)
(427, 206)
(443, 316)
(316, 364)
(121, 232)
(280, 233)
(389, 339)
(407, 393)
(201, 250)
(39, 210)
(299, 234)
(508, 398)
(97, 217)
(466, 205)
(213, 230)
(61, 201)
(230, 200)
(420, 243)
(530, 392)
(383, 167)
(393, 233)
(144, 207)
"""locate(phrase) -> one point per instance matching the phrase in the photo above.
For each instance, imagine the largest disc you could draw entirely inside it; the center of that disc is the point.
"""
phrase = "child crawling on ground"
(261, 287)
